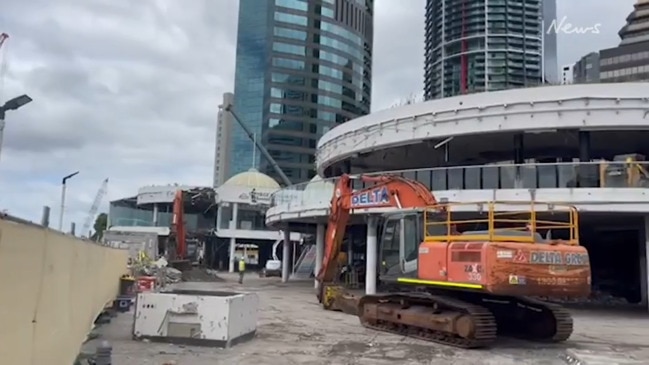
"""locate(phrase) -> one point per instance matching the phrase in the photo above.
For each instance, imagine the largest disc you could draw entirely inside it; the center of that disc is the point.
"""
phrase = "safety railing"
(504, 222)
(609, 174)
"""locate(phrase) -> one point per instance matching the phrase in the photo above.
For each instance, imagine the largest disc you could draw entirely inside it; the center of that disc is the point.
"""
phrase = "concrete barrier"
(52, 287)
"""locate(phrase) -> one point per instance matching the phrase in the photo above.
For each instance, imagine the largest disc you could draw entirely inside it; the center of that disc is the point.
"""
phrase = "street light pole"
(64, 182)
(12, 104)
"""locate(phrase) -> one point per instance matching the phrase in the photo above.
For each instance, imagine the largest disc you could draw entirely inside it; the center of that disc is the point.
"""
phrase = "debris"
(200, 274)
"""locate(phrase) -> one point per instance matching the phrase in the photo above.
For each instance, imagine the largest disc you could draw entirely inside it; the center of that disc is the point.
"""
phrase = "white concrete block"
(196, 317)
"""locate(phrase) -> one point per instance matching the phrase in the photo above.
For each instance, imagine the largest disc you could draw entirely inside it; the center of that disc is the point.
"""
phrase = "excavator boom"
(386, 191)
(178, 226)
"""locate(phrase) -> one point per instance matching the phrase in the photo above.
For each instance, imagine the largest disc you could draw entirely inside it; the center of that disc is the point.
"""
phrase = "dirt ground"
(293, 329)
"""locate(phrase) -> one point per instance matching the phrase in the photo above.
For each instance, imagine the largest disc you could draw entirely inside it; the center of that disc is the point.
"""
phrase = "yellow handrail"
(502, 222)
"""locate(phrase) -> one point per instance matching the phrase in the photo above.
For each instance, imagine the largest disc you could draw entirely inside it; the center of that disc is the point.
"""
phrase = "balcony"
(578, 179)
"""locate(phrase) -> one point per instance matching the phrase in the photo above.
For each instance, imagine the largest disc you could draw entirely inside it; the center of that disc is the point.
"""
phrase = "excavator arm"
(386, 191)
(178, 226)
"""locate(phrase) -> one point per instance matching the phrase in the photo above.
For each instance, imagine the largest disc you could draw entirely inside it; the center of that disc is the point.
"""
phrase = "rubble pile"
(166, 274)
(201, 274)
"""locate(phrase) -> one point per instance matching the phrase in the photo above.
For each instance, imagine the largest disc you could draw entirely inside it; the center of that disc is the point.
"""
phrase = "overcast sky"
(128, 89)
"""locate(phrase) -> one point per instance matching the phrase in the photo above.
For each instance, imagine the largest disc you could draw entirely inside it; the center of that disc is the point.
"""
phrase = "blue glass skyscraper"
(302, 67)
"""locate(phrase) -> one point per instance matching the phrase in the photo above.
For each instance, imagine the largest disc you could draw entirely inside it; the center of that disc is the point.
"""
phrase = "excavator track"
(428, 317)
(529, 319)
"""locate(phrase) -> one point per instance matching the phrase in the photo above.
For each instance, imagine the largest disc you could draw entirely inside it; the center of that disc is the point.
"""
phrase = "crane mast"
(3, 38)
(95, 206)
(262, 149)
(3, 61)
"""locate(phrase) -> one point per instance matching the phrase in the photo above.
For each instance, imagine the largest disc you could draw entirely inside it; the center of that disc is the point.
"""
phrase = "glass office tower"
(487, 45)
(302, 67)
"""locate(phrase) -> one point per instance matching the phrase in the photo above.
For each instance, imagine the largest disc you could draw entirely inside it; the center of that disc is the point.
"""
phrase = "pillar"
(155, 214)
(233, 245)
(519, 148)
(319, 251)
(350, 249)
(519, 158)
(372, 255)
(644, 262)
(233, 239)
(219, 216)
(584, 146)
(286, 255)
(586, 173)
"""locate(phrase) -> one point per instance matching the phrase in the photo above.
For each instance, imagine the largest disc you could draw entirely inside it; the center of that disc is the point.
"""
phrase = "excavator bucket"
(337, 298)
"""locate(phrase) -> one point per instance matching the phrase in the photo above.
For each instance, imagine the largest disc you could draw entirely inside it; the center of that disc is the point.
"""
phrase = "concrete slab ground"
(293, 329)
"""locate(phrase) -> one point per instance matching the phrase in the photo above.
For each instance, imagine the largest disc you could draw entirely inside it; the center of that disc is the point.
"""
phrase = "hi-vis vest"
(242, 265)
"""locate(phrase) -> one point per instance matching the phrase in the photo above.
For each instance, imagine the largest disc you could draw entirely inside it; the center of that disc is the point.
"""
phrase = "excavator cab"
(402, 233)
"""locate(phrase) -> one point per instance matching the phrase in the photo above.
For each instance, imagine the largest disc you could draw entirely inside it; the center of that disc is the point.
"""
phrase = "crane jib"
(376, 196)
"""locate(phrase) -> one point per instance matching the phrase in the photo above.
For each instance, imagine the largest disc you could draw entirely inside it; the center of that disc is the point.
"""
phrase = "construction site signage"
(556, 258)
(372, 197)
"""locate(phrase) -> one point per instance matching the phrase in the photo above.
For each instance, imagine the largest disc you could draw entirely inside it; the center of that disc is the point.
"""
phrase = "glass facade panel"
(293, 4)
(290, 18)
(289, 48)
(299, 35)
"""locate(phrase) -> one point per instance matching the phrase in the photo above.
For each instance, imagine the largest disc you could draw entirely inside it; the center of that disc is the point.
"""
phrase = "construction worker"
(242, 269)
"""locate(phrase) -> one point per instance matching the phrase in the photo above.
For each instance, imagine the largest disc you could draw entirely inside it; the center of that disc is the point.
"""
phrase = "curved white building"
(576, 144)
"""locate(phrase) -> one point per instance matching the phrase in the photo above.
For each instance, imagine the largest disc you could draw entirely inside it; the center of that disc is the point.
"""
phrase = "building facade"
(586, 70)
(302, 68)
(630, 60)
(486, 45)
(224, 127)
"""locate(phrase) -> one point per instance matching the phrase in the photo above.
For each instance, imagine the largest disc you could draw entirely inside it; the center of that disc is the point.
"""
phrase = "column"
(286, 255)
(644, 262)
(519, 148)
(372, 255)
(155, 214)
(233, 239)
(584, 146)
(219, 216)
(350, 249)
(519, 158)
(319, 251)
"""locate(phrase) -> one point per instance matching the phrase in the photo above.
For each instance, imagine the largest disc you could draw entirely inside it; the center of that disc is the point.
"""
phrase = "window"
(328, 12)
(332, 72)
(290, 33)
(390, 246)
(293, 4)
(332, 57)
(329, 101)
(287, 63)
(335, 29)
(276, 93)
(330, 86)
(288, 79)
(340, 45)
(289, 48)
(291, 18)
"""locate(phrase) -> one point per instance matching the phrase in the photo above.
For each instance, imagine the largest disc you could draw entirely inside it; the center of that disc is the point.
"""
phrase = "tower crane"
(3, 38)
(95, 206)
(228, 108)
(3, 61)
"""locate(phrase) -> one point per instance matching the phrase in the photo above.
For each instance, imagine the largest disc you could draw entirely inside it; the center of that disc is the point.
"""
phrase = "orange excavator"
(460, 282)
